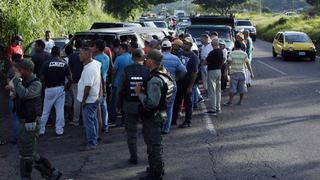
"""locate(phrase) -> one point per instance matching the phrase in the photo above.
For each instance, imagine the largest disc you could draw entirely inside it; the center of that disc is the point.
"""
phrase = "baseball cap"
(18, 38)
(222, 42)
(155, 55)
(240, 35)
(178, 42)
(153, 43)
(188, 41)
(166, 44)
(26, 64)
(138, 53)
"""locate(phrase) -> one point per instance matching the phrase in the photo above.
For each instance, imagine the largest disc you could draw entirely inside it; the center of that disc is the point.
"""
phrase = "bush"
(32, 18)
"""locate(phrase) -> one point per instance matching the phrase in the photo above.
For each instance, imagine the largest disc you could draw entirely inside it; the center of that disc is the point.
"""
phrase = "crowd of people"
(103, 87)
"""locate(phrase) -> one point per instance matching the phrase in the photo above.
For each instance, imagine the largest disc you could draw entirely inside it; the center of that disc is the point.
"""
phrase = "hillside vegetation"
(31, 18)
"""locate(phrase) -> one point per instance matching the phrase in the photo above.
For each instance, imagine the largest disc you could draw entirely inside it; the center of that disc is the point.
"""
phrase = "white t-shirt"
(90, 76)
(49, 45)
(205, 50)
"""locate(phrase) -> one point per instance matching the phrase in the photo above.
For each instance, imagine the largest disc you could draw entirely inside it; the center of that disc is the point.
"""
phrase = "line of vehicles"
(287, 44)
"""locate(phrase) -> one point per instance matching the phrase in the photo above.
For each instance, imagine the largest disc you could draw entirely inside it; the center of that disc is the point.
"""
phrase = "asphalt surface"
(274, 135)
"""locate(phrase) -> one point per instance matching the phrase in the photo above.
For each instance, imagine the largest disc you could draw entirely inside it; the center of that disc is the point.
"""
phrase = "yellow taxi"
(292, 44)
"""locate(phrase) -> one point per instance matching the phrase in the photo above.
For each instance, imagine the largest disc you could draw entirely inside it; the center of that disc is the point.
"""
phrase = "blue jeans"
(167, 124)
(113, 108)
(90, 122)
(104, 112)
(195, 96)
(15, 121)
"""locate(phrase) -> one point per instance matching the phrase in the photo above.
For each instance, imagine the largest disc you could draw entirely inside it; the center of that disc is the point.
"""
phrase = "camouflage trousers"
(152, 128)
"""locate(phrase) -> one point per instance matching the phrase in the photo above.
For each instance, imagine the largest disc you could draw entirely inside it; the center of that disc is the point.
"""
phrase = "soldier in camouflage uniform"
(153, 111)
(128, 101)
(28, 107)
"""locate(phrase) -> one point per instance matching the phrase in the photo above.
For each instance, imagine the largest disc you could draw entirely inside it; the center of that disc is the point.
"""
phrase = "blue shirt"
(104, 60)
(173, 64)
(191, 61)
(120, 63)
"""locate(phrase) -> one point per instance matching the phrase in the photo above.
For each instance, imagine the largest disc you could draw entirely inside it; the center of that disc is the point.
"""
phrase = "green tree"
(125, 9)
(70, 7)
(315, 3)
(222, 7)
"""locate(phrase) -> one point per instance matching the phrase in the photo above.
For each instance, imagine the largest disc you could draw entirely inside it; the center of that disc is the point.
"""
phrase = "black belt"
(54, 86)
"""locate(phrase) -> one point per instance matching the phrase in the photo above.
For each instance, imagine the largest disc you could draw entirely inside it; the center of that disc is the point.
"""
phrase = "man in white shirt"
(205, 50)
(48, 42)
(89, 87)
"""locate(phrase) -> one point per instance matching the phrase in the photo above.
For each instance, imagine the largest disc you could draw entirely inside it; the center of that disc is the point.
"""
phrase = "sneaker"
(200, 100)
(164, 133)
(185, 125)
(218, 111)
(150, 177)
(88, 148)
(240, 103)
(74, 123)
(133, 161)
(213, 113)
(228, 104)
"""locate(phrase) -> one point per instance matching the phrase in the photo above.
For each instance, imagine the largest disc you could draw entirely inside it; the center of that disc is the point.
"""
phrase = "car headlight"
(313, 49)
(291, 49)
(253, 30)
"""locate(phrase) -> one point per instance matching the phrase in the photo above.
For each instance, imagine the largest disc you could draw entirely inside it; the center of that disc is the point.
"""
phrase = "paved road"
(274, 135)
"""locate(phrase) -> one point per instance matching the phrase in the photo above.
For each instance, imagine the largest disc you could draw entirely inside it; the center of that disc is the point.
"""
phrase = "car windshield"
(160, 24)
(197, 32)
(297, 38)
(150, 24)
(244, 23)
(60, 44)
(88, 39)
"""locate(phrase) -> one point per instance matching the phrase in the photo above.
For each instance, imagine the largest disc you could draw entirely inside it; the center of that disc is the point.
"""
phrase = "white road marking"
(273, 68)
(207, 119)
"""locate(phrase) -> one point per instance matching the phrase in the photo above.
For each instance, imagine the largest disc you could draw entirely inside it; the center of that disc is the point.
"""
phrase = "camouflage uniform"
(28, 106)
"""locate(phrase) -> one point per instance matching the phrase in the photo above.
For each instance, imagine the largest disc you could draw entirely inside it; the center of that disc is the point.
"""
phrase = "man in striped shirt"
(237, 62)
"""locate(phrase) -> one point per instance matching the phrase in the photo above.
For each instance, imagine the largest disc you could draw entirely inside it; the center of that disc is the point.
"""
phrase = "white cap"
(166, 44)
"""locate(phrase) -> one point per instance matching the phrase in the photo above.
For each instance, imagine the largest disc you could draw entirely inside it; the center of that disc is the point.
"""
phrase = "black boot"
(133, 154)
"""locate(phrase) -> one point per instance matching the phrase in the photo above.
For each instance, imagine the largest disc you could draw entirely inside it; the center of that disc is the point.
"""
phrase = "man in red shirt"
(15, 48)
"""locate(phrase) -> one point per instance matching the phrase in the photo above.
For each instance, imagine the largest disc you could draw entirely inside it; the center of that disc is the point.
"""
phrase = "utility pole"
(293, 5)
(260, 7)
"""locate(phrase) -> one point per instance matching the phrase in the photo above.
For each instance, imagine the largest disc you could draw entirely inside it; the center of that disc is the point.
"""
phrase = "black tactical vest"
(135, 74)
(29, 109)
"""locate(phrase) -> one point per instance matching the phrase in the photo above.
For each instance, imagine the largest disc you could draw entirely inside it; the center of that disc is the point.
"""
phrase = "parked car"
(242, 25)
(294, 44)
(60, 42)
(102, 25)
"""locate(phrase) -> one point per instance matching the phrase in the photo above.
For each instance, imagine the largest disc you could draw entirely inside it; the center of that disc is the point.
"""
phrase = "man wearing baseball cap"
(153, 106)
(15, 48)
(177, 47)
(177, 70)
(128, 101)
(191, 61)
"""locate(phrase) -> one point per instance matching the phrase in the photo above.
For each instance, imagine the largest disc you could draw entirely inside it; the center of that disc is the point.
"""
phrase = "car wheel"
(274, 53)
(312, 58)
